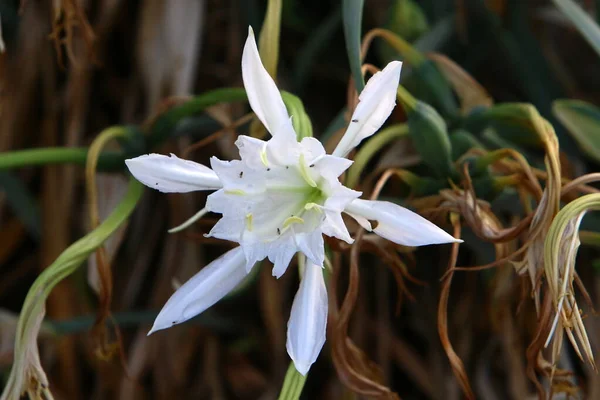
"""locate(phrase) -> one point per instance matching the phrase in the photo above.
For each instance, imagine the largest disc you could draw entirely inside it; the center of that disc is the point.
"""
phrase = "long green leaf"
(352, 11)
(429, 134)
(582, 120)
(269, 37)
(24, 372)
(582, 21)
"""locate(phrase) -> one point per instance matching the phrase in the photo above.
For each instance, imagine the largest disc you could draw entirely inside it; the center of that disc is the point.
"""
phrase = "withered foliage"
(494, 317)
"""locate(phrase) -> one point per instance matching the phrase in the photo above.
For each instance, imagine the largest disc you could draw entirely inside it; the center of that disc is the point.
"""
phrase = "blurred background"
(69, 69)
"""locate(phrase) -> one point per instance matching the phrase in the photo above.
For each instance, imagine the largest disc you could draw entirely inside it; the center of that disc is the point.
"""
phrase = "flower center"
(294, 199)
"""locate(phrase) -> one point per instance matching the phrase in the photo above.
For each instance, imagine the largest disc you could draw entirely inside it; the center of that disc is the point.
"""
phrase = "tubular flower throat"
(279, 199)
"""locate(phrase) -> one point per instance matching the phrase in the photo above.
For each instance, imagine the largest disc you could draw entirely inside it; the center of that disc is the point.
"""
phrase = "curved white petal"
(308, 320)
(332, 166)
(334, 226)
(399, 224)
(203, 290)
(250, 150)
(376, 102)
(312, 245)
(172, 174)
(281, 256)
(263, 95)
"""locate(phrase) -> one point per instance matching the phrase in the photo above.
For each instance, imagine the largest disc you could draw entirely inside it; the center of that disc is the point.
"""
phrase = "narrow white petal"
(399, 224)
(376, 102)
(312, 245)
(203, 290)
(308, 320)
(263, 95)
(362, 221)
(172, 174)
(281, 255)
(250, 150)
(334, 226)
(332, 166)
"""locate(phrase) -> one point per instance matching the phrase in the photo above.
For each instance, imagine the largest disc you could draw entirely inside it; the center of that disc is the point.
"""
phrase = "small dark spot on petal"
(174, 322)
(278, 231)
(156, 183)
(268, 169)
(311, 165)
(354, 120)
(287, 167)
(241, 173)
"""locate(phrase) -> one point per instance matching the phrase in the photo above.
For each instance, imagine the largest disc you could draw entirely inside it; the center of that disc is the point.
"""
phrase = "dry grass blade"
(455, 362)
(352, 365)
(468, 90)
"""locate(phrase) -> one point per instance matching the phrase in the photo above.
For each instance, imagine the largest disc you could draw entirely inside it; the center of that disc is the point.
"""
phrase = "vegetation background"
(495, 131)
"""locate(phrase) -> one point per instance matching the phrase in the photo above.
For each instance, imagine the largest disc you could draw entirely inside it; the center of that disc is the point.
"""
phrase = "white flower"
(279, 199)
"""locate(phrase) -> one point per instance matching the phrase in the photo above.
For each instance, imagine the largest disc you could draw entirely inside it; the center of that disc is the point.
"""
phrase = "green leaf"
(352, 11)
(463, 141)
(300, 119)
(165, 124)
(582, 21)
(380, 140)
(430, 137)
(109, 161)
(66, 264)
(292, 385)
(407, 19)
(269, 37)
(582, 120)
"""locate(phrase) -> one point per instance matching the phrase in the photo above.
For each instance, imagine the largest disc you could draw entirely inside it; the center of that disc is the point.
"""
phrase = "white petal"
(331, 166)
(172, 174)
(376, 102)
(263, 95)
(312, 148)
(362, 221)
(236, 176)
(281, 255)
(203, 290)
(250, 149)
(312, 245)
(399, 224)
(308, 320)
(334, 226)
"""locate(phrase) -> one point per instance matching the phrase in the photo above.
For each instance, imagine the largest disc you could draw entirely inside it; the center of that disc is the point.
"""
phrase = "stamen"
(292, 220)
(315, 206)
(263, 155)
(190, 221)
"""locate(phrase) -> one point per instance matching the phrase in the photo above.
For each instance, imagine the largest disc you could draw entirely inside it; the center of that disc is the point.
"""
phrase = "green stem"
(58, 155)
(375, 144)
(293, 384)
